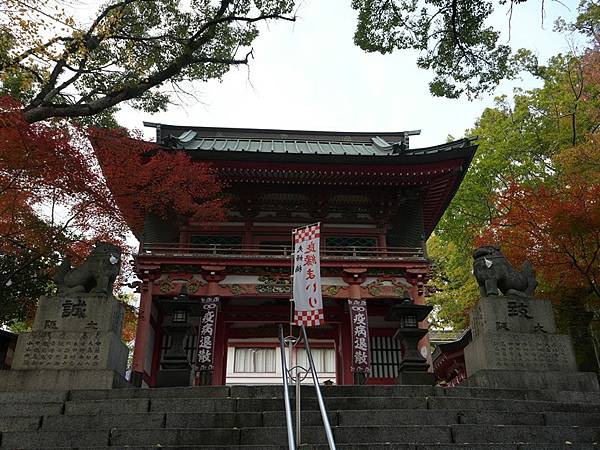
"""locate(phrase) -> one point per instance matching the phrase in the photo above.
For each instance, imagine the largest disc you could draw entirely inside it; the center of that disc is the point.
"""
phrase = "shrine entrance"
(240, 337)
(241, 340)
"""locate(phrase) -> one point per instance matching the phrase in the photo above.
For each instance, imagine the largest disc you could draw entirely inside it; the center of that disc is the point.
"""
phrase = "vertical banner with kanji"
(206, 334)
(361, 356)
(308, 303)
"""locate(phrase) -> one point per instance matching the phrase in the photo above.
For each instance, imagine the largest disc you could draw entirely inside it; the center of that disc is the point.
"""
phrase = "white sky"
(309, 75)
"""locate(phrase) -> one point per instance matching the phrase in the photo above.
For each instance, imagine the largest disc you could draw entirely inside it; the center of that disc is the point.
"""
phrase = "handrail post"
(311, 363)
(286, 393)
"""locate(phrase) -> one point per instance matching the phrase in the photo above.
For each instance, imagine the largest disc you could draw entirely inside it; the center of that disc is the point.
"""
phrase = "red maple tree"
(145, 178)
(55, 197)
(556, 226)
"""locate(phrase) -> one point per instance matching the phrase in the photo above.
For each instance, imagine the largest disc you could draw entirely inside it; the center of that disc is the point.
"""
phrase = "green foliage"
(26, 277)
(130, 50)
(521, 140)
(451, 37)
(453, 287)
(517, 141)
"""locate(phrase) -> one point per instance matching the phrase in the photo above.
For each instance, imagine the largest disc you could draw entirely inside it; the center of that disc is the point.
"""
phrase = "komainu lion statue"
(97, 273)
(496, 275)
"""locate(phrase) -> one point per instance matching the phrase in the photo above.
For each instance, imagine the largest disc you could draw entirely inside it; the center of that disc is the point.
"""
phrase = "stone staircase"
(252, 417)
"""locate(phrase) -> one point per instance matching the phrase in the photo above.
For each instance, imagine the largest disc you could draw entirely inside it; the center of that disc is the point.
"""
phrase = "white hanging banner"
(308, 302)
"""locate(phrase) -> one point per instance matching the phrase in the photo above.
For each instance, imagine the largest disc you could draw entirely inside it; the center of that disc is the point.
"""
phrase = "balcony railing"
(275, 251)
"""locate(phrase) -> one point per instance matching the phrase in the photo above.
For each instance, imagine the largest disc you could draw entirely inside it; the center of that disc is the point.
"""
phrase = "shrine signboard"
(206, 334)
(360, 336)
(308, 301)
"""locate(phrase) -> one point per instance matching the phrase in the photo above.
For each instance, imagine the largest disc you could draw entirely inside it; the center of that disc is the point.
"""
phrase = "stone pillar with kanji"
(75, 341)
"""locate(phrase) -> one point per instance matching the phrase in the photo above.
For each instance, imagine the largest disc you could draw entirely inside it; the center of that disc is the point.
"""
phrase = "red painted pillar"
(217, 376)
(220, 356)
(142, 334)
(346, 350)
(418, 296)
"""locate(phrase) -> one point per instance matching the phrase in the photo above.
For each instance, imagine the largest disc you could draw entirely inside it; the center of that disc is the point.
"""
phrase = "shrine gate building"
(377, 199)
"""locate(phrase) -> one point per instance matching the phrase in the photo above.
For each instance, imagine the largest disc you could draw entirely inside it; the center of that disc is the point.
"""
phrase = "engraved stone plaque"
(70, 350)
(512, 314)
(516, 351)
(79, 312)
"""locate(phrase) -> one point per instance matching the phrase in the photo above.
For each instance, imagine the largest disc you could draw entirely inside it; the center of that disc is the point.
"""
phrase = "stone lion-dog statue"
(496, 275)
(97, 274)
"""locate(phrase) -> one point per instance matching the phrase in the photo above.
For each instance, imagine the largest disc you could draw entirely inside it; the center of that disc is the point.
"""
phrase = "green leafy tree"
(452, 37)
(518, 139)
(453, 289)
(523, 140)
(31, 278)
(61, 68)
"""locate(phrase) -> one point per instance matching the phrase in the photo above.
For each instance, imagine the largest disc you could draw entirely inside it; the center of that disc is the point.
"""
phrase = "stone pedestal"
(75, 343)
(514, 346)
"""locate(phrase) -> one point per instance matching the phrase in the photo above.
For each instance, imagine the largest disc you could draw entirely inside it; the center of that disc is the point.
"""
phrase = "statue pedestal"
(515, 346)
(75, 343)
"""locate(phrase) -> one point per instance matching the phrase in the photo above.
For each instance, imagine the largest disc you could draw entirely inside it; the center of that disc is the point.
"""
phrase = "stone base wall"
(98, 350)
(534, 380)
(515, 346)
(60, 380)
(75, 343)
(520, 351)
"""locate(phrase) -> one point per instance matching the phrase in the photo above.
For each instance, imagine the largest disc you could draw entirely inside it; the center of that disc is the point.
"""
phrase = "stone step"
(31, 409)
(48, 439)
(34, 397)
(308, 391)
(264, 437)
(212, 405)
(175, 392)
(343, 418)
(369, 446)
(332, 404)
(514, 406)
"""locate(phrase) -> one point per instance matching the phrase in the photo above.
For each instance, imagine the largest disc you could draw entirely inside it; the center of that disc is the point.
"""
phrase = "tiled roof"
(248, 140)
(283, 146)
(299, 143)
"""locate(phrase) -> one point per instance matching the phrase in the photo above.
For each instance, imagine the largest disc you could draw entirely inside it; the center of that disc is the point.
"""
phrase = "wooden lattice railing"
(275, 251)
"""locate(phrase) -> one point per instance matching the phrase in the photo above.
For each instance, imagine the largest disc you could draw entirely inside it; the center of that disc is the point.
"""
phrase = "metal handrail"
(324, 416)
(286, 393)
(293, 341)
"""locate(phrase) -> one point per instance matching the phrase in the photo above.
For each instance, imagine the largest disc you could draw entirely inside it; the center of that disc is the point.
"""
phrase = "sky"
(309, 75)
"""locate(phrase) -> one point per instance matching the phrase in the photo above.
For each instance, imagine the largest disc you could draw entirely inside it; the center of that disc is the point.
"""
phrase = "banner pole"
(292, 264)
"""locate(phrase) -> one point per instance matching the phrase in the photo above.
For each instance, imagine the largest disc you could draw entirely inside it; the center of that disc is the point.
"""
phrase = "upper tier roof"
(250, 140)
(246, 155)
